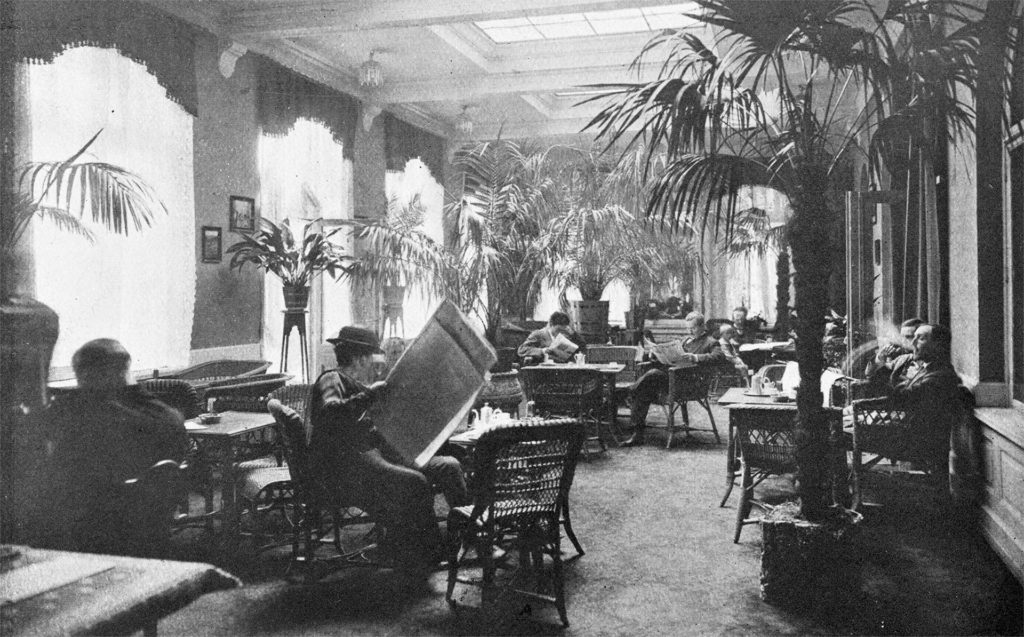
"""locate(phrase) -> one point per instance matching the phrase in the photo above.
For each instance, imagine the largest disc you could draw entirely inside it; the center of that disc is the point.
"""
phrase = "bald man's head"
(102, 365)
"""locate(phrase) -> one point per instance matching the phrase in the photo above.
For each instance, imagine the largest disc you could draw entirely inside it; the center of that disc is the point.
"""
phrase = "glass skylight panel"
(668, 17)
(514, 34)
(500, 24)
(617, 21)
(569, 25)
(590, 23)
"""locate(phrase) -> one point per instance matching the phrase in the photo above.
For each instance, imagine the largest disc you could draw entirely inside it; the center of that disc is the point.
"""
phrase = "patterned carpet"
(659, 560)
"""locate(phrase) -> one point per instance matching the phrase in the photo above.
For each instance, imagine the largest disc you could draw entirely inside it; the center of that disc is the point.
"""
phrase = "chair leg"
(671, 409)
(567, 523)
(455, 540)
(856, 471)
(556, 557)
(732, 458)
(706, 404)
(743, 508)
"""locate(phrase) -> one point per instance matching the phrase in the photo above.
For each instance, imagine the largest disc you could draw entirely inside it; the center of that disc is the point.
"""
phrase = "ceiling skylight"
(589, 23)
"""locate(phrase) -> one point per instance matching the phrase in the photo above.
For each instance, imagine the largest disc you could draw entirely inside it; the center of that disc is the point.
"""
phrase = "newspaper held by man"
(562, 349)
(670, 353)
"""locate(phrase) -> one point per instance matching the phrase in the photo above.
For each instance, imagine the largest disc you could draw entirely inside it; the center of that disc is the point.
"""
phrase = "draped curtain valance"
(43, 29)
(284, 96)
(403, 141)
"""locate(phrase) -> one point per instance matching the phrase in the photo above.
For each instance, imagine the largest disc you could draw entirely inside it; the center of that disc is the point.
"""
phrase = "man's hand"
(377, 389)
(886, 353)
(689, 358)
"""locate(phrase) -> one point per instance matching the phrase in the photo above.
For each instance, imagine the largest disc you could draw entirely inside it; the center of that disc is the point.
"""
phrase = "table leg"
(731, 462)
(613, 407)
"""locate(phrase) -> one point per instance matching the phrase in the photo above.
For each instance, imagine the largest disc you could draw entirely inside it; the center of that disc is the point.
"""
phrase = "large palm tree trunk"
(809, 242)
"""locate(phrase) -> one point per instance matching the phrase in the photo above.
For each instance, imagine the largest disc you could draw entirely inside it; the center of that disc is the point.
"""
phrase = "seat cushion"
(256, 480)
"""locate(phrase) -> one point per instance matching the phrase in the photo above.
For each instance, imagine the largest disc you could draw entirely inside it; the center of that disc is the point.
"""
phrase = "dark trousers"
(645, 391)
(403, 499)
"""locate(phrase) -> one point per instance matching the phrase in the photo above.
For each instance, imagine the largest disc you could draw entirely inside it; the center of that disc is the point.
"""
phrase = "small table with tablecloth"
(45, 592)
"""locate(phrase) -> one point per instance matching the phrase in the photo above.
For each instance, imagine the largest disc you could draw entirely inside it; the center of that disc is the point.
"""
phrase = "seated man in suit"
(701, 348)
(106, 432)
(728, 340)
(538, 344)
(347, 454)
(925, 384)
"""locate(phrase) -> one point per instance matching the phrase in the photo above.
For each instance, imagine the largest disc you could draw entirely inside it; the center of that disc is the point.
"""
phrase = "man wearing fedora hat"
(348, 454)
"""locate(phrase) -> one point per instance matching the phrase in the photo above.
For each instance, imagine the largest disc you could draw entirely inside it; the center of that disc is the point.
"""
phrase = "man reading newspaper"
(701, 349)
(556, 341)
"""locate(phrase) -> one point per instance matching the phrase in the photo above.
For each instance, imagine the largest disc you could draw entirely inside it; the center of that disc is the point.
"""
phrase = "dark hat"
(357, 337)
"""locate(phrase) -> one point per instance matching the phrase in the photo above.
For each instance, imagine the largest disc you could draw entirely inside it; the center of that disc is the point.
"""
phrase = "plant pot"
(502, 391)
(28, 332)
(296, 297)
(590, 320)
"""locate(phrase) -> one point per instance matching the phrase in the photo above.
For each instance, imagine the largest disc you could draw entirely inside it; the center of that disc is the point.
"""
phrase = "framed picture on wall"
(242, 214)
(211, 244)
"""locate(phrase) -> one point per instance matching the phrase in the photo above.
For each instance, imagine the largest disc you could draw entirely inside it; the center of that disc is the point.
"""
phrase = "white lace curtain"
(138, 289)
(304, 175)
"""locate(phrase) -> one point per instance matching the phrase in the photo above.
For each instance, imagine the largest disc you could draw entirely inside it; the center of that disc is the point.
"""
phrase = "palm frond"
(115, 198)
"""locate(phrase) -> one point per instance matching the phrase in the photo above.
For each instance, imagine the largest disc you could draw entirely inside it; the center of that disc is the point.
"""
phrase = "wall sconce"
(371, 74)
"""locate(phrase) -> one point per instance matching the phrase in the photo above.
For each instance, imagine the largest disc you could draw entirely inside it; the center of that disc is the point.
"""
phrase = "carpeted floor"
(659, 560)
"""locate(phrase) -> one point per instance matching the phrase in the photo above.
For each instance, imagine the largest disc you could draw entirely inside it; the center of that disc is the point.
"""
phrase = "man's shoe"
(636, 440)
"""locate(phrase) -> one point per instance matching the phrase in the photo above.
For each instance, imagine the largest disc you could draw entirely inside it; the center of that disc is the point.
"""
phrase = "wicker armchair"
(521, 482)
(315, 507)
(567, 391)
(177, 393)
(685, 385)
(252, 387)
(150, 502)
(624, 355)
(202, 375)
(765, 440)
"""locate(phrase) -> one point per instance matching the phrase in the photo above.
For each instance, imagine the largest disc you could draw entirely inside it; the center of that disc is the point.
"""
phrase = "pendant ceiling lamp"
(371, 74)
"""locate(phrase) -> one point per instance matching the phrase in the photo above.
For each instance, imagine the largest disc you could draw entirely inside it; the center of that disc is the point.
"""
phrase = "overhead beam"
(468, 88)
(296, 19)
(531, 129)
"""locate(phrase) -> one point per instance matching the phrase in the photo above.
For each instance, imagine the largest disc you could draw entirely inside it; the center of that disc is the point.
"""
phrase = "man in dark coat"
(105, 432)
(702, 348)
(348, 455)
(538, 343)
(925, 384)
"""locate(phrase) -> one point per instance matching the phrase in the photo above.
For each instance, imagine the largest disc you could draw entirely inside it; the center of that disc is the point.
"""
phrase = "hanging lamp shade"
(371, 74)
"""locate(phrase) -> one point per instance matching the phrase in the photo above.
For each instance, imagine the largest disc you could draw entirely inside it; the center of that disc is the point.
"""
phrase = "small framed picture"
(242, 214)
(211, 244)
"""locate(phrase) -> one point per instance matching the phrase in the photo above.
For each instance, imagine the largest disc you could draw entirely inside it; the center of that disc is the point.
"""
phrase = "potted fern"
(275, 249)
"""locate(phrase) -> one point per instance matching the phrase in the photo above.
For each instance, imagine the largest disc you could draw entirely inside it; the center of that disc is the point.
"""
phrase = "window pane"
(138, 289)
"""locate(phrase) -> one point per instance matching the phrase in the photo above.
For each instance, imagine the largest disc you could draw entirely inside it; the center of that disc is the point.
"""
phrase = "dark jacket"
(99, 440)
(532, 349)
(931, 397)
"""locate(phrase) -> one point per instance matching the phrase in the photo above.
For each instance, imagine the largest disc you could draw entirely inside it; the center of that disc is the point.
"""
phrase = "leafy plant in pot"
(594, 240)
(275, 249)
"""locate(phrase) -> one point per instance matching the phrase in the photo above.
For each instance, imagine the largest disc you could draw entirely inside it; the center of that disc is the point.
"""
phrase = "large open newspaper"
(433, 385)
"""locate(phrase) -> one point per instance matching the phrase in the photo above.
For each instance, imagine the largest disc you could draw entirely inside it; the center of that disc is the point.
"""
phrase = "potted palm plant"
(594, 239)
(275, 249)
(776, 111)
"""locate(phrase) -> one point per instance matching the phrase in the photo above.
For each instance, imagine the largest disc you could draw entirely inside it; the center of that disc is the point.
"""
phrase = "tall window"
(139, 289)
(415, 188)
(1015, 206)
(304, 176)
